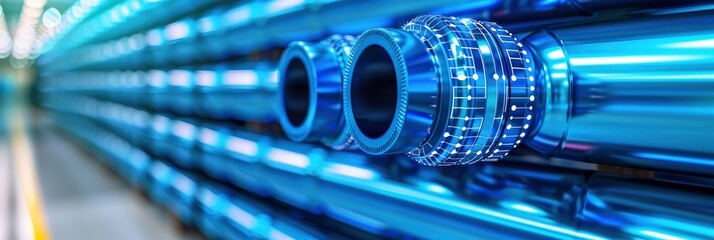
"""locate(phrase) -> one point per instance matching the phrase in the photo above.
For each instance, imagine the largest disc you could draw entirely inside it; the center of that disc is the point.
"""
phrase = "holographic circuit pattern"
(473, 51)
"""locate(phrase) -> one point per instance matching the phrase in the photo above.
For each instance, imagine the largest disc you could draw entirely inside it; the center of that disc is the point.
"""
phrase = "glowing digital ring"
(320, 119)
(487, 104)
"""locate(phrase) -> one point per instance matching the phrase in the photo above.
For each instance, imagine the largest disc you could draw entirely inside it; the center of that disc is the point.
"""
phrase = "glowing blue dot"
(469, 97)
(475, 76)
(532, 98)
(461, 77)
(508, 126)
(532, 88)
(513, 108)
(526, 126)
(513, 77)
(446, 134)
(495, 76)
(529, 117)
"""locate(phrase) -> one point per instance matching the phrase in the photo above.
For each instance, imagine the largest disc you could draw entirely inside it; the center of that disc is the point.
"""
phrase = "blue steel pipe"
(629, 92)
(310, 91)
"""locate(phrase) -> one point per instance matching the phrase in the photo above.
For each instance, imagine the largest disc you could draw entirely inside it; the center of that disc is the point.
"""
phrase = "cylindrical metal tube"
(450, 91)
(634, 93)
(629, 93)
(310, 91)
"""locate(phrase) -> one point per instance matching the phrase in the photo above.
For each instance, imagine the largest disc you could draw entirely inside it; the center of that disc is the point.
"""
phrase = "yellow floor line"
(24, 162)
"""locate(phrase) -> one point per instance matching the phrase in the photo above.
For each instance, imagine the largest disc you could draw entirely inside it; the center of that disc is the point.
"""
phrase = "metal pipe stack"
(268, 119)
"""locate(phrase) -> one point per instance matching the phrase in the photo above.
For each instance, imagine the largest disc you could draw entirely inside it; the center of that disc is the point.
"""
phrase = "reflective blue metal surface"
(222, 91)
(628, 93)
(213, 91)
(502, 199)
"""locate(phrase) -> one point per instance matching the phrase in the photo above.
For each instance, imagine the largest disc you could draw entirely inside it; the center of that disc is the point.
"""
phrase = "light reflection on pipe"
(641, 59)
(242, 146)
(289, 158)
(350, 171)
(674, 158)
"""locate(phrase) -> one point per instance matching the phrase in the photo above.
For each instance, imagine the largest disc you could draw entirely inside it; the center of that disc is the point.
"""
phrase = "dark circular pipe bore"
(297, 92)
(374, 91)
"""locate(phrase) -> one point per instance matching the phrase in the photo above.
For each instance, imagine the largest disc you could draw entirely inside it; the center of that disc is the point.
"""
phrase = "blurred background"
(156, 119)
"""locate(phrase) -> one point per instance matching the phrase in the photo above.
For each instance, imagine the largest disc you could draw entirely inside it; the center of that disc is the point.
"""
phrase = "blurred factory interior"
(369, 119)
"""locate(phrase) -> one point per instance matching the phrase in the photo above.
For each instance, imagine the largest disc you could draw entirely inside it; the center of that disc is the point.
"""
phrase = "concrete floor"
(83, 199)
